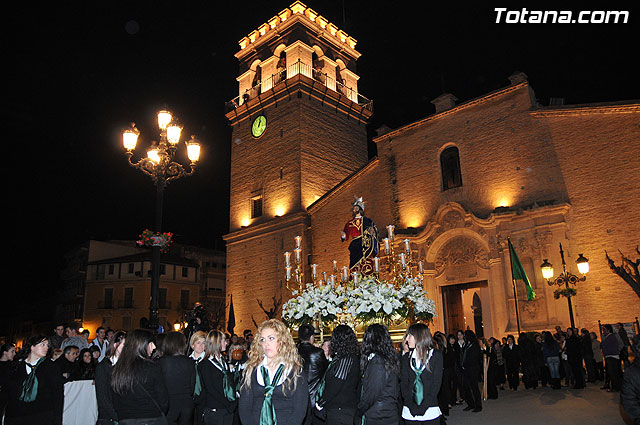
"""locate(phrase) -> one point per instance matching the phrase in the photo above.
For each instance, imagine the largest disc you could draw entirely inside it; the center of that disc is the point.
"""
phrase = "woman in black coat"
(34, 388)
(337, 396)
(138, 389)
(471, 371)
(106, 412)
(528, 361)
(217, 398)
(379, 386)
(421, 378)
(179, 378)
(273, 382)
(574, 357)
(511, 356)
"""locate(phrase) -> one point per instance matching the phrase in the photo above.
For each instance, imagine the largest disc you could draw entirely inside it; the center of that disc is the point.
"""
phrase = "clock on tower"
(298, 129)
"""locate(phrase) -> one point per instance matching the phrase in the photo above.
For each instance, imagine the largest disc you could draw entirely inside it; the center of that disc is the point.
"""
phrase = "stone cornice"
(262, 229)
(628, 107)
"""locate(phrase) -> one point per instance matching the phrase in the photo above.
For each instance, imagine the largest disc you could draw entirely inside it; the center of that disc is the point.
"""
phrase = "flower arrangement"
(368, 301)
(565, 292)
(149, 238)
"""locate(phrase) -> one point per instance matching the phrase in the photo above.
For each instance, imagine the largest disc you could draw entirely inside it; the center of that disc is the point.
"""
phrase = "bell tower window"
(450, 168)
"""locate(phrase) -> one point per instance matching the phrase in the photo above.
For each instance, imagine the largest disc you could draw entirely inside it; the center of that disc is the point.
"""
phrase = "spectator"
(273, 381)
(551, 353)
(73, 338)
(421, 377)
(95, 352)
(444, 394)
(379, 363)
(458, 380)
(564, 360)
(511, 355)
(197, 345)
(137, 384)
(574, 357)
(101, 342)
(86, 367)
(34, 388)
(630, 394)
(542, 369)
(106, 412)
(587, 354)
(314, 365)
(611, 353)
(337, 396)
(55, 355)
(58, 336)
(624, 351)
(109, 335)
(326, 348)
(7, 354)
(471, 371)
(489, 351)
(67, 361)
(500, 377)
(527, 350)
(179, 378)
(597, 356)
(218, 396)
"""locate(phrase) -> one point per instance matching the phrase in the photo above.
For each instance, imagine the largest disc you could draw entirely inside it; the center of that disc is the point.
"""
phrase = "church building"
(457, 184)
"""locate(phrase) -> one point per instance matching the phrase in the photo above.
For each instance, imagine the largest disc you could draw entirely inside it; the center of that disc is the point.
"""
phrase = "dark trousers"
(513, 378)
(492, 390)
(435, 421)
(471, 389)
(458, 383)
(180, 411)
(613, 373)
(600, 370)
(216, 417)
(576, 371)
(38, 418)
(590, 365)
(340, 416)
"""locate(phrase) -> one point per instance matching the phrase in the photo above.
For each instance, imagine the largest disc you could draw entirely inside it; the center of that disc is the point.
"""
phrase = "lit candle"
(298, 253)
(355, 276)
(390, 231)
(287, 259)
(335, 266)
(324, 276)
(407, 245)
(298, 241)
(345, 273)
(387, 246)
(287, 273)
(314, 270)
(403, 261)
(332, 280)
(420, 267)
(376, 264)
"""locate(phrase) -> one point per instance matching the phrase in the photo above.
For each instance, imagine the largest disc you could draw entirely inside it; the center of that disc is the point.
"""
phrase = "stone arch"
(279, 49)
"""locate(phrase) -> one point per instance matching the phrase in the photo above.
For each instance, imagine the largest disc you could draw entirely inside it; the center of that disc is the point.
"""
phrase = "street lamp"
(160, 166)
(566, 277)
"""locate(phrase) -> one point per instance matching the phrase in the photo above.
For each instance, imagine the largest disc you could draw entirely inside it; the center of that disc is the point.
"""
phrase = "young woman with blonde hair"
(217, 399)
(274, 390)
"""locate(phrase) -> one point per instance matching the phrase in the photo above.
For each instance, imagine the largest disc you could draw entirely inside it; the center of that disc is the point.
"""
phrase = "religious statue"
(364, 240)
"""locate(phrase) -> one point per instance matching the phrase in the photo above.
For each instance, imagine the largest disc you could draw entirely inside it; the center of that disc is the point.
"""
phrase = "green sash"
(227, 388)
(418, 386)
(30, 384)
(268, 412)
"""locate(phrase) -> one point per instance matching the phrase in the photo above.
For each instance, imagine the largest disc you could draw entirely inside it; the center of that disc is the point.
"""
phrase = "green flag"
(517, 272)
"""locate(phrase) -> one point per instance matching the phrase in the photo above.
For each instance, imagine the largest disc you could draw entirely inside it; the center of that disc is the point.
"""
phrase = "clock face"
(259, 126)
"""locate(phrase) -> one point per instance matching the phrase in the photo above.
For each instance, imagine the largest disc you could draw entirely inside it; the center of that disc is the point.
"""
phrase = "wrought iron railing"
(307, 70)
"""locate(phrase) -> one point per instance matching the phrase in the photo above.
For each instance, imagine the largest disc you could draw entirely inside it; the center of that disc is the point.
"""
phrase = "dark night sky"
(81, 71)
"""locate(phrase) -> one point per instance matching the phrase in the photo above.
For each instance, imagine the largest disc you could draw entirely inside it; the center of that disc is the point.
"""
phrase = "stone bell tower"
(298, 129)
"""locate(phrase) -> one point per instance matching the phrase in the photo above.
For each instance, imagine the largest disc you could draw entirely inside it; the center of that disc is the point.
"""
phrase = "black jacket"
(50, 399)
(212, 395)
(379, 394)
(314, 365)
(291, 406)
(141, 401)
(341, 384)
(471, 359)
(511, 357)
(179, 374)
(431, 381)
(630, 393)
(106, 412)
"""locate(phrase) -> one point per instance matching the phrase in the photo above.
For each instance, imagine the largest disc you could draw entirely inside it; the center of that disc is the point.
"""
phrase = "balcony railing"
(289, 72)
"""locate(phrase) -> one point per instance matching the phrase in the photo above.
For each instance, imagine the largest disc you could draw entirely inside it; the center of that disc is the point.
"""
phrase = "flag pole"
(513, 282)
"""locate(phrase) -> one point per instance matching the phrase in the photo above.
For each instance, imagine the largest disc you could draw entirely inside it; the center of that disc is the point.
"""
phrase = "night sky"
(79, 72)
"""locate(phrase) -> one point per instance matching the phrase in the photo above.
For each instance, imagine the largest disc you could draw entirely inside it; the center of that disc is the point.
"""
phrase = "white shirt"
(103, 348)
(432, 412)
(200, 357)
(284, 375)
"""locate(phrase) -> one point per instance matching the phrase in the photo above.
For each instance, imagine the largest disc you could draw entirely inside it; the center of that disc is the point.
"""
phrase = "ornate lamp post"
(160, 166)
(566, 277)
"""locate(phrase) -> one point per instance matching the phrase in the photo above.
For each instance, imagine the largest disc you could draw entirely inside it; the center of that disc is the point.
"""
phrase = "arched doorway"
(476, 306)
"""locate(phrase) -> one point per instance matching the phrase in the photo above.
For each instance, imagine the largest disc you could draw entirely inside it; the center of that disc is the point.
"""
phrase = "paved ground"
(589, 406)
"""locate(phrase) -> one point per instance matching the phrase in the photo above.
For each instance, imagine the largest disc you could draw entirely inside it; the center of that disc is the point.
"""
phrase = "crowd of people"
(206, 378)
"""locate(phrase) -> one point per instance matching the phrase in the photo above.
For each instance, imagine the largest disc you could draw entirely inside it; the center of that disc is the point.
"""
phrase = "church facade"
(458, 184)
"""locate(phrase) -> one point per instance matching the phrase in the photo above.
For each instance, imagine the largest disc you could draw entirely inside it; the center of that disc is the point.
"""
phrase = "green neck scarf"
(198, 388)
(418, 386)
(30, 384)
(268, 412)
(227, 388)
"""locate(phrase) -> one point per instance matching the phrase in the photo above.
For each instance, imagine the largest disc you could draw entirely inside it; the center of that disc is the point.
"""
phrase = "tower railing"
(291, 71)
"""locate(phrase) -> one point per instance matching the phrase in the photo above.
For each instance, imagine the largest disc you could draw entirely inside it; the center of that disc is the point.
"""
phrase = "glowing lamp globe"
(547, 269)
(130, 138)
(164, 118)
(193, 150)
(583, 264)
(153, 154)
(173, 134)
